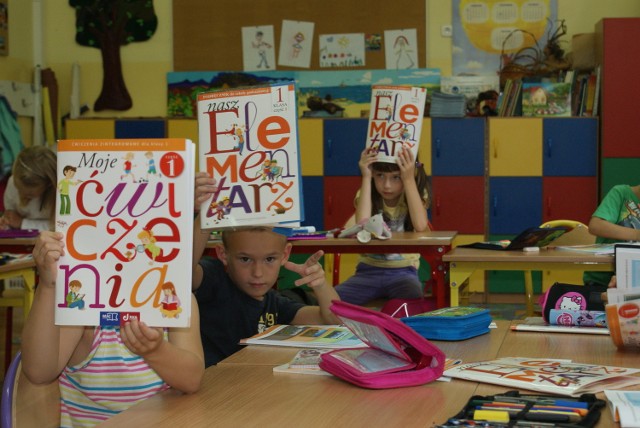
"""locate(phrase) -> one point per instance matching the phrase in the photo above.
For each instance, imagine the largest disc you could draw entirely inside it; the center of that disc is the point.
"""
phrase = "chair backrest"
(579, 235)
(25, 404)
(8, 389)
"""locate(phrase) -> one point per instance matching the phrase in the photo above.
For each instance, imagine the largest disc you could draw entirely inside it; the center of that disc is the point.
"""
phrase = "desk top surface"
(243, 390)
(549, 255)
(397, 238)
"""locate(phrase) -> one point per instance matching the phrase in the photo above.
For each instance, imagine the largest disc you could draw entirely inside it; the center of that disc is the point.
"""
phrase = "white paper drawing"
(342, 50)
(295, 44)
(401, 49)
(258, 51)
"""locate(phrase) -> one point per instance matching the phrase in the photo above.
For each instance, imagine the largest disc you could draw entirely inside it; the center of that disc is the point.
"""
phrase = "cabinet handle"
(495, 147)
(329, 146)
(495, 206)
(330, 205)
(437, 147)
(438, 205)
(549, 146)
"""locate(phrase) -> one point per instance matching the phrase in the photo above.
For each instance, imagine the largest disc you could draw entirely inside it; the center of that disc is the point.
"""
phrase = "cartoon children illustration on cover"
(149, 244)
(63, 186)
(127, 166)
(170, 303)
(151, 166)
(74, 299)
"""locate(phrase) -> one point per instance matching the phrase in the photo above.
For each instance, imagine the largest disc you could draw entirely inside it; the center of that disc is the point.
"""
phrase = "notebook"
(531, 237)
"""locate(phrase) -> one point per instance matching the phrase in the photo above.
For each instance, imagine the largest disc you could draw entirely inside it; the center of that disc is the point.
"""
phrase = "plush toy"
(366, 229)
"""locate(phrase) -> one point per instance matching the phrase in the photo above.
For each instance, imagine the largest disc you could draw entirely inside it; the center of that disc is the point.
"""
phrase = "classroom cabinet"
(490, 178)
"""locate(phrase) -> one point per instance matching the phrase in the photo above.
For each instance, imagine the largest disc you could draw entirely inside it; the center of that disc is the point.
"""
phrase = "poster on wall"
(320, 93)
(485, 29)
(295, 44)
(258, 51)
(4, 28)
(341, 50)
(401, 49)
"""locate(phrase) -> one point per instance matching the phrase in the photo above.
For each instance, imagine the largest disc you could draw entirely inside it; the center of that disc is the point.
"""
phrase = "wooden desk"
(430, 245)
(464, 261)
(17, 245)
(243, 391)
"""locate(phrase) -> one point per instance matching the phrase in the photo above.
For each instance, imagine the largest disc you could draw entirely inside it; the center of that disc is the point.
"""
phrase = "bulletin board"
(207, 34)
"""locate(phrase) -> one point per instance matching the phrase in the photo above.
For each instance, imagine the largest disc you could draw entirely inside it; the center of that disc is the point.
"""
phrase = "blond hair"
(36, 166)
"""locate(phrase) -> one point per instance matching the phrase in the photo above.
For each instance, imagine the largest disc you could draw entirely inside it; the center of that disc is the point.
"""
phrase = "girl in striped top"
(103, 370)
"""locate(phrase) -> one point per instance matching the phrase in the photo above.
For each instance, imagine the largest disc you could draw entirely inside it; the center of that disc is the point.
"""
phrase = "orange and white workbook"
(395, 120)
(125, 207)
(248, 142)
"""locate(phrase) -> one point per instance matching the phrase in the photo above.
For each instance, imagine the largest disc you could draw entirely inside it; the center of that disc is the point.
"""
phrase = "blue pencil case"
(453, 323)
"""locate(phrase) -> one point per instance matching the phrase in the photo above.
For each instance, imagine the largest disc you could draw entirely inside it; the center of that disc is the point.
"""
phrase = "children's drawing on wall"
(373, 42)
(258, 52)
(401, 49)
(485, 29)
(295, 44)
(342, 50)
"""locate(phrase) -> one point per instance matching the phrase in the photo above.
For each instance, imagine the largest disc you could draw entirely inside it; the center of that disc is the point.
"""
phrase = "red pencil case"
(397, 356)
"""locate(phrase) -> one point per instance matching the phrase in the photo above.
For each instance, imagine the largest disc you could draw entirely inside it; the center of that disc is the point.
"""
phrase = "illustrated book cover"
(125, 207)
(248, 142)
(306, 336)
(550, 376)
(395, 120)
(546, 99)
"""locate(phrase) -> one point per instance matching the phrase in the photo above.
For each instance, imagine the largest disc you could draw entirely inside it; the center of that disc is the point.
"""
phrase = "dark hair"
(422, 183)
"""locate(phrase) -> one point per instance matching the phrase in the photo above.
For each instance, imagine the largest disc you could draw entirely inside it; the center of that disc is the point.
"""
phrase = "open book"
(305, 336)
(547, 375)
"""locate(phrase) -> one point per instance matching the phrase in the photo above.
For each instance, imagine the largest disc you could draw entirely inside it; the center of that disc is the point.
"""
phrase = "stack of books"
(447, 105)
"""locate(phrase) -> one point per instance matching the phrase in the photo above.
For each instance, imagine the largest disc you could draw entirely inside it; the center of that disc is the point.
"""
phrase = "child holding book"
(103, 370)
(616, 219)
(29, 198)
(235, 291)
(399, 192)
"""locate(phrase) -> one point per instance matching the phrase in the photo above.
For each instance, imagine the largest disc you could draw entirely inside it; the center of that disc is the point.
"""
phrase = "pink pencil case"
(397, 356)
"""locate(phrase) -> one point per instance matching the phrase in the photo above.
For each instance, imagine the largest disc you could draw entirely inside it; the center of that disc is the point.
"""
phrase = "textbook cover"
(395, 120)
(547, 375)
(248, 142)
(125, 207)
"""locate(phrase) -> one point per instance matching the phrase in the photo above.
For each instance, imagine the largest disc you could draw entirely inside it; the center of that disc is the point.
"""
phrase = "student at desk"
(616, 219)
(399, 192)
(102, 370)
(29, 199)
(235, 292)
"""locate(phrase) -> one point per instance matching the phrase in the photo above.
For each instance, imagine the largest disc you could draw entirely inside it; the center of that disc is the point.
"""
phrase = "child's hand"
(311, 271)
(367, 157)
(406, 163)
(205, 187)
(140, 338)
(47, 251)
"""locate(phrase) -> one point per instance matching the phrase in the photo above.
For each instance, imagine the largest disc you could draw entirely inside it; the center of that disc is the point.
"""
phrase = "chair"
(24, 404)
(578, 235)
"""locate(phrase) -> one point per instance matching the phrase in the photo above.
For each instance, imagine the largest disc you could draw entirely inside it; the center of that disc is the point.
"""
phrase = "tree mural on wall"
(107, 25)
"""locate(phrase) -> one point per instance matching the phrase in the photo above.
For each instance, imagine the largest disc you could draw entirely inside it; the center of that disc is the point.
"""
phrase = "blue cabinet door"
(457, 146)
(312, 191)
(344, 140)
(515, 203)
(151, 128)
(570, 147)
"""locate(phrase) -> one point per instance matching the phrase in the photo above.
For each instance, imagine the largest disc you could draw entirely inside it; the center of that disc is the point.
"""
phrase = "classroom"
(490, 176)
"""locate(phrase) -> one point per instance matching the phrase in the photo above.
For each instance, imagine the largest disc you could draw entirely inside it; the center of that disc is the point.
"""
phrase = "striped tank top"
(108, 381)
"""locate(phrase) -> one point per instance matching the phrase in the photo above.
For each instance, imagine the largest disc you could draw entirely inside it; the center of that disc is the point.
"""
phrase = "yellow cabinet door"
(515, 147)
(311, 146)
